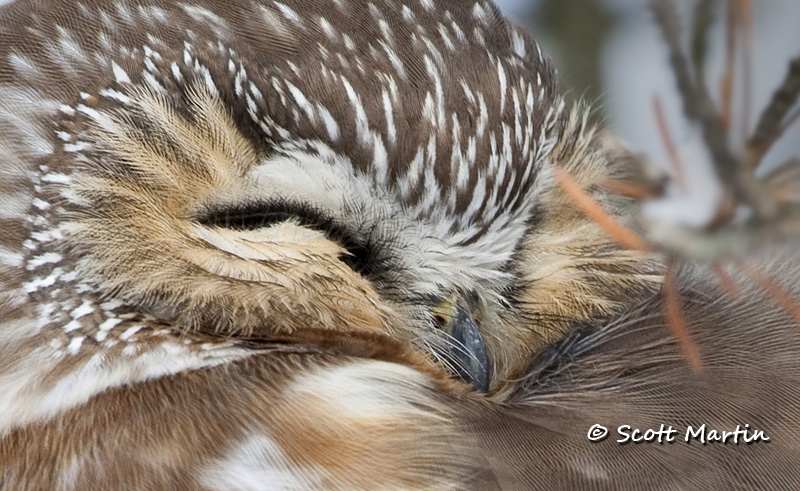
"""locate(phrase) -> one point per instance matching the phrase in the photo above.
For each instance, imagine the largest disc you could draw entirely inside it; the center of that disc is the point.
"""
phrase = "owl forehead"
(444, 105)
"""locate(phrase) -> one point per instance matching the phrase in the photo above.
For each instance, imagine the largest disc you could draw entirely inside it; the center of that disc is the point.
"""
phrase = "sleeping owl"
(318, 244)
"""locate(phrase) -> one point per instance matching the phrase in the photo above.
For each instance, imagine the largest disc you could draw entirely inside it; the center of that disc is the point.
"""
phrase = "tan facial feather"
(573, 270)
(138, 239)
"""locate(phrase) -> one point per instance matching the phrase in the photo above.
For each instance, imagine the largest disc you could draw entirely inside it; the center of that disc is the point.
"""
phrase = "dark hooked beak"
(467, 350)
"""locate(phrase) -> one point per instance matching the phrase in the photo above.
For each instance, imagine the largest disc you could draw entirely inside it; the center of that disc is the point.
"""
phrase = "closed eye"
(261, 214)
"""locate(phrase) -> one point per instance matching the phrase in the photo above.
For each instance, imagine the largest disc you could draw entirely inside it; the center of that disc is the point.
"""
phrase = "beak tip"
(469, 354)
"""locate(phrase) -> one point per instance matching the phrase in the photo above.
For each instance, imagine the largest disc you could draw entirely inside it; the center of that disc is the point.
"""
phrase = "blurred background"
(611, 53)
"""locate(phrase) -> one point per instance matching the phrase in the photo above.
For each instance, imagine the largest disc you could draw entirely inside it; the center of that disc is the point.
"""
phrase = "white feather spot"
(46, 258)
(331, 126)
(72, 325)
(75, 345)
(362, 123)
(115, 95)
(518, 43)
(109, 323)
(56, 178)
(119, 74)
(205, 16)
(129, 333)
(78, 146)
(388, 109)
(40, 204)
(501, 75)
(86, 308)
(302, 101)
(288, 12)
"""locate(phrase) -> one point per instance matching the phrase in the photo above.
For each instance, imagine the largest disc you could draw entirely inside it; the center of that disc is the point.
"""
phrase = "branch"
(770, 126)
(699, 107)
(726, 86)
(595, 212)
(677, 322)
(745, 14)
(669, 143)
(703, 21)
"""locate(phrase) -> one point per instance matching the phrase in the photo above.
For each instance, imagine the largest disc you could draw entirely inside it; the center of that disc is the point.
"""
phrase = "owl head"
(194, 178)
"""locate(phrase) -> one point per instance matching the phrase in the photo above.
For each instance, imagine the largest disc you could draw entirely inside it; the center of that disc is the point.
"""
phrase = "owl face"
(271, 168)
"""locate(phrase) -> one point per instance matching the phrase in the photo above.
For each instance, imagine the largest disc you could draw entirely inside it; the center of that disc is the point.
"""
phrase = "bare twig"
(677, 322)
(629, 189)
(745, 15)
(701, 25)
(726, 84)
(784, 181)
(731, 241)
(791, 119)
(672, 150)
(595, 212)
(770, 126)
(699, 107)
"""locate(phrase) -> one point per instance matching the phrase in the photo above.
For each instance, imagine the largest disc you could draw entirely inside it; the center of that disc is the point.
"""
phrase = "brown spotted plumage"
(317, 244)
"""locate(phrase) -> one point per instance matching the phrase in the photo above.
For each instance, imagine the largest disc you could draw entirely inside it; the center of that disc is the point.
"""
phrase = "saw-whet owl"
(318, 244)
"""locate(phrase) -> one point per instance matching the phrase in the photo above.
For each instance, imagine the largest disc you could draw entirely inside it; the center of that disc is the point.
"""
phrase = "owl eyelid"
(261, 214)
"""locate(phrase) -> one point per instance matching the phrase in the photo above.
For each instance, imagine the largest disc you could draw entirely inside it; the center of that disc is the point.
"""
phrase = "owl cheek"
(273, 282)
